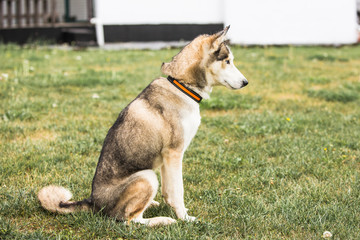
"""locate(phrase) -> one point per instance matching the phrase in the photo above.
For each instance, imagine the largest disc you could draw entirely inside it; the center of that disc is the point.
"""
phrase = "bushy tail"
(56, 199)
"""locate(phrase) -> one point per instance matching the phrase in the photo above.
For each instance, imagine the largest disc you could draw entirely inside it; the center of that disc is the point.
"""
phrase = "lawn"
(279, 159)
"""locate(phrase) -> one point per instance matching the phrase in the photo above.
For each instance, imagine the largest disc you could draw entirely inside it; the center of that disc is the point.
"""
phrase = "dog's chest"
(190, 123)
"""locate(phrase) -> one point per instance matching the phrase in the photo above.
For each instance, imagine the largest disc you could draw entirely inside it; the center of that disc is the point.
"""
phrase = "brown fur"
(188, 66)
(136, 196)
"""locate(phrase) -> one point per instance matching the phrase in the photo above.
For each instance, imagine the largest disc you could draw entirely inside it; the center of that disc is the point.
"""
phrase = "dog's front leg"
(172, 184)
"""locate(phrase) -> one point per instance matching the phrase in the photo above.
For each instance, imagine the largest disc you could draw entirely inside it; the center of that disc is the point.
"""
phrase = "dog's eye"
(227, 61)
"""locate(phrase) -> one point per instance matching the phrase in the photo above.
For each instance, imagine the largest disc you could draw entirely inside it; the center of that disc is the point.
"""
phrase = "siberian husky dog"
(152, 132)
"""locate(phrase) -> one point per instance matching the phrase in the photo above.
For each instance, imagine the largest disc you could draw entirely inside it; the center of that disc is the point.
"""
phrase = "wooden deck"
(24, 21)
(35, 13)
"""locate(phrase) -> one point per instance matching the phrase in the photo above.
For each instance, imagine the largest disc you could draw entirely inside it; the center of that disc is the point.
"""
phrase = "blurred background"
(253, 22)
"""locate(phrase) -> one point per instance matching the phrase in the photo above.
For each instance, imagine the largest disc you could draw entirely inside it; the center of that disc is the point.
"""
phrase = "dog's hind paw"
(158, 221)
(154, 203)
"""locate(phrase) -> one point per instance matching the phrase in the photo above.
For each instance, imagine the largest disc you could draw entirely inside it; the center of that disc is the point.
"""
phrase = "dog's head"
(206, 62)
(222, 70)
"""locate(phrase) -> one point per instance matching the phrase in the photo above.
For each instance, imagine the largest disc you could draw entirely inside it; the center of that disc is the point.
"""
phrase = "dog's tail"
(57, 199)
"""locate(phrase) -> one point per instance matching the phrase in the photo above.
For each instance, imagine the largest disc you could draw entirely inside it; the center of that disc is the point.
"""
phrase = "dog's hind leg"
(136, 197)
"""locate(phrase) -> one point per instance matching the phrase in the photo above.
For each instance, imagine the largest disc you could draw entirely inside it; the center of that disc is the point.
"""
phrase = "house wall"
(112, 12)
(292, 21)
(252, 21)
(158, 20)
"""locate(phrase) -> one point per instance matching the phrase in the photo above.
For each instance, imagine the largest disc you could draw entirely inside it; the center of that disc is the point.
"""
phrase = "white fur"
(229, 76)
(171, 174)
(51, 196)
(155, 221)
(191, 122)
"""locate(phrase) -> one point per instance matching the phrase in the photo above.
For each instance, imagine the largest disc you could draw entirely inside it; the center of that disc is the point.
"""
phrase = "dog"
(153, 132)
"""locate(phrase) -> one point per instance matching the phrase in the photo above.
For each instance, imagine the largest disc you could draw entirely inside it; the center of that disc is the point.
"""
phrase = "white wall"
(159, 11)
(291, 21)
(252, 21)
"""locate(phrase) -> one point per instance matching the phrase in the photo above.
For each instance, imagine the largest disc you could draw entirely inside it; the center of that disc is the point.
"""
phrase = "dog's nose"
(245, 82)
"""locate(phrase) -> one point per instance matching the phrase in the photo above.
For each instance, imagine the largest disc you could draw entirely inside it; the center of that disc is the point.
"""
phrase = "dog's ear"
(166, 69)
(222, 52)
(218, 38)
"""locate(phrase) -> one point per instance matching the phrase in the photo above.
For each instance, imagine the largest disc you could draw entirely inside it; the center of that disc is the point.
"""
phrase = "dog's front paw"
(188, 218)
(181, 213)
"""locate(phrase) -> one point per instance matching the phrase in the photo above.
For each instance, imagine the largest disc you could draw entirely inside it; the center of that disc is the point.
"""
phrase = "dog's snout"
(245, 82)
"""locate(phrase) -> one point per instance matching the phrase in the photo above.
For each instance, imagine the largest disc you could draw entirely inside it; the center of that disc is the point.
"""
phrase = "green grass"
(279, 159)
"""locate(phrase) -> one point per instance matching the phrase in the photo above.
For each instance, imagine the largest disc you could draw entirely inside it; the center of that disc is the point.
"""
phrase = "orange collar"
(196, 97)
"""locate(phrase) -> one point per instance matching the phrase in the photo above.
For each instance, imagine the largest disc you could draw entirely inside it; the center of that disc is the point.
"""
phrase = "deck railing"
(27, 13)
